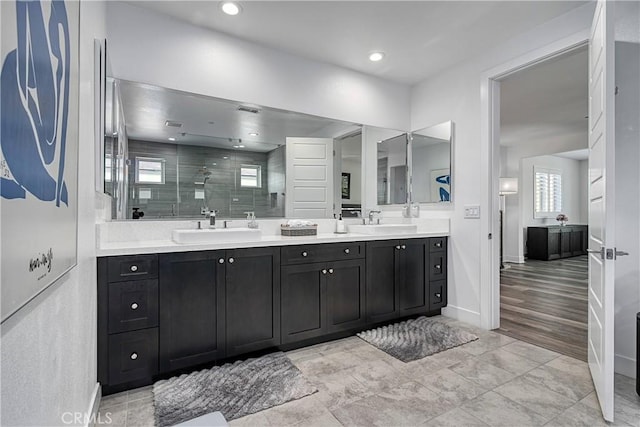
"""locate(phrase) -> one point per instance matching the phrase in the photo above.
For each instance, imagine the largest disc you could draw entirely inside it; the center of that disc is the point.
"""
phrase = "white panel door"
(601, 205)
(309, 188)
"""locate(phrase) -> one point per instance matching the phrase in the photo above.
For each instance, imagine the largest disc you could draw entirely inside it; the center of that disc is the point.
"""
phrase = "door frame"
(490, 161)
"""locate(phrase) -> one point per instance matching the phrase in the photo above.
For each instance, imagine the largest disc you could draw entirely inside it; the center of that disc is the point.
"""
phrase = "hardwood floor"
(545, 303)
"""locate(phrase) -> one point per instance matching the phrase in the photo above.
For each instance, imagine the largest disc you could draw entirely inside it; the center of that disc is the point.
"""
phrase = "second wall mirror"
(431, 150)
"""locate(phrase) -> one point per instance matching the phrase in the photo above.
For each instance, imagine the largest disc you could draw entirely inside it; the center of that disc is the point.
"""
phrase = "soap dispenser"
(251, 220)
(340, 227)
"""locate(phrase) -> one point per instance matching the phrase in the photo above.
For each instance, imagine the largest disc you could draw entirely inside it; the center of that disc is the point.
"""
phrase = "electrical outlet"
(472, 211)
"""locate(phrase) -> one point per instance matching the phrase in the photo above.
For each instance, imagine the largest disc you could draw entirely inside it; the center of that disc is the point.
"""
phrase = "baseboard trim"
(462, 314)
(514, 259)
(94, 406)
(625, 365)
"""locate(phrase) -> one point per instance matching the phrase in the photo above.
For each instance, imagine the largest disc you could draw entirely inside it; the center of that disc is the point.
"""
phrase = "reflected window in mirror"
(431, 164)
(392, 177)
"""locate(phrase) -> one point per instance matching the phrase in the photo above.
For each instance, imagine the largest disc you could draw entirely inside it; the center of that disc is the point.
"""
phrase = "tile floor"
(495, 381)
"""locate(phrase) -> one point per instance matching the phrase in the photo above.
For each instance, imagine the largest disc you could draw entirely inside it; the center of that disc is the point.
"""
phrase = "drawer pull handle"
(305, 254)
(438, 295)
(134, 306)
(134, 356)
(404, 246)
(324, 271)
(398, 247)
(437, 266)
(134, 268)
(231, 260)
(346, 251)
(331, 271)
(221, 261)
(438, 245)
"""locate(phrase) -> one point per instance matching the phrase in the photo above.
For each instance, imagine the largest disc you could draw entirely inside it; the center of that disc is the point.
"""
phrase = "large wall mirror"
(172, 154)
(431, 150)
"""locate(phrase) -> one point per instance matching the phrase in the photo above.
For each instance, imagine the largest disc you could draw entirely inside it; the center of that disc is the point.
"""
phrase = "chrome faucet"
(371, 213)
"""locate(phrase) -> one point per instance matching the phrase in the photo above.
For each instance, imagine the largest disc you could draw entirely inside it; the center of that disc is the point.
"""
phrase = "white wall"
(48, 354)
(149, 47)
(573, 186)
(456, 95)
(627, 289)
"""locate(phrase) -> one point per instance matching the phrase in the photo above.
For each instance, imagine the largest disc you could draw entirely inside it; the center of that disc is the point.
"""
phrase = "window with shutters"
(547, 192)
(149, 170)
(250, 176)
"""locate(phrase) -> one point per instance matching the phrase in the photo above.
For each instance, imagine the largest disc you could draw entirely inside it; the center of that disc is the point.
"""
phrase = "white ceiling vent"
(172, 124)
(248, 109)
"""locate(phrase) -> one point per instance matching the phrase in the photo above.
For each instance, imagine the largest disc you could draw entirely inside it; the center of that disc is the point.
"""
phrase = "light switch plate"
(472, 211)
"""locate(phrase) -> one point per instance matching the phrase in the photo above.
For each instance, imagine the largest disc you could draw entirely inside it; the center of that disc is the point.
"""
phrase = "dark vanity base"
(161, 315)
(555, 241)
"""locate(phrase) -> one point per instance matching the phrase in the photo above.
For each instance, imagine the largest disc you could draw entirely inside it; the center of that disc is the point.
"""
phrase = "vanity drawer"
(437, 244)
(133, 356)
(132, 267)
(133, 305)
(437, 266)
(303, 254)
(437, 294)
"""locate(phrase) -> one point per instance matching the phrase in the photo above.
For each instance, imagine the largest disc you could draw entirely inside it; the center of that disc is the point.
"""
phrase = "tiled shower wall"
(186, 191)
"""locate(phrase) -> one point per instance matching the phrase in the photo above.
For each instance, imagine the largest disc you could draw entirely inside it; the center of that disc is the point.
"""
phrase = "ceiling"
(546, 103)
(215, 122)
(420, 38)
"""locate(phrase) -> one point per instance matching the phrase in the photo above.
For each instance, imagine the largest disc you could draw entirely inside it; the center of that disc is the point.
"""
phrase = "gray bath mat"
(416, 338)
(235, 389)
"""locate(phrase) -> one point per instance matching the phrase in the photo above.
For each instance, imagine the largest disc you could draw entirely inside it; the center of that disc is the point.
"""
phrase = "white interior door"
(309, 188)
(601, 205)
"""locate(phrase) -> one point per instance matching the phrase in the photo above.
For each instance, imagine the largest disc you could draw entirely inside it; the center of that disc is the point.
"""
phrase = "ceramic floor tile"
(328, 364)
(253, 420)
(578, 415)
(113, 400)
(379, 375)
(497, 410)
(452, 356)
(414, 396)
(140, 415)
(296, 411)
(575, 367)
(486, 342)
(455, 418)
(482, 373)
(115, 416)
(510, 362)
(339, 389)
(140, 393)
(626, 411)
(568, 384)
(626, 387)
(535, 397)
(325, 420)
(452, 386)
(530, 351)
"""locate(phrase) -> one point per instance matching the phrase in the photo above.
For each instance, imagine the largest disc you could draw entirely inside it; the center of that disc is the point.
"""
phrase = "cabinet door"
(414, 276)
(382, 280)
(565, 242)
(191, 308)
(252, 291)
(345, 295)
(302, 296)
(577, 239)
(554, 244)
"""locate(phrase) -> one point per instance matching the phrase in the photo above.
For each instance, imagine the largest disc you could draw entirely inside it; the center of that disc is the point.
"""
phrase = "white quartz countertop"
(165, 246)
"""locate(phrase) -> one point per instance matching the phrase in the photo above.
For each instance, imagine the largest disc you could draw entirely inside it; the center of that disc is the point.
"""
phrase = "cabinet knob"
(324, 271)
(346, 251)
(305, 254)
(221, 261)
(438, 245)
(134, 306)
(134, 268)
(398, 247)
(231, 260)
(404, 246)
(331, 271)
(438, 295)
(134, 356)
(437, 266)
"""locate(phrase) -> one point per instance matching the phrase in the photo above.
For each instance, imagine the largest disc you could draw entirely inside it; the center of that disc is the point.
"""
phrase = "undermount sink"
(383, 228)
(214, 235)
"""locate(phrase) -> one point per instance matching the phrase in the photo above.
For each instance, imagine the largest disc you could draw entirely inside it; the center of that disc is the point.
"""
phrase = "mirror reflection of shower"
(205, 174)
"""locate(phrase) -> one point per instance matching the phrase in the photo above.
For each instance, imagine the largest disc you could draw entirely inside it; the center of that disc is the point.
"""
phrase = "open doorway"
(544, 203)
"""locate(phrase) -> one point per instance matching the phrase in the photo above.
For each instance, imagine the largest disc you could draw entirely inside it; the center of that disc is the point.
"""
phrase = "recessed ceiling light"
(376, 56)
(254, 133)
(240, 146)
(172, 139)
(225, 157)
(236, 146)
(231, 8)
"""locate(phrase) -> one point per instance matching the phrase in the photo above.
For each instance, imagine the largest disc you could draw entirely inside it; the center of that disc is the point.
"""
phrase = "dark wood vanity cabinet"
(322, 297)
(160, 313)
(402, 277)
(555, 241)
